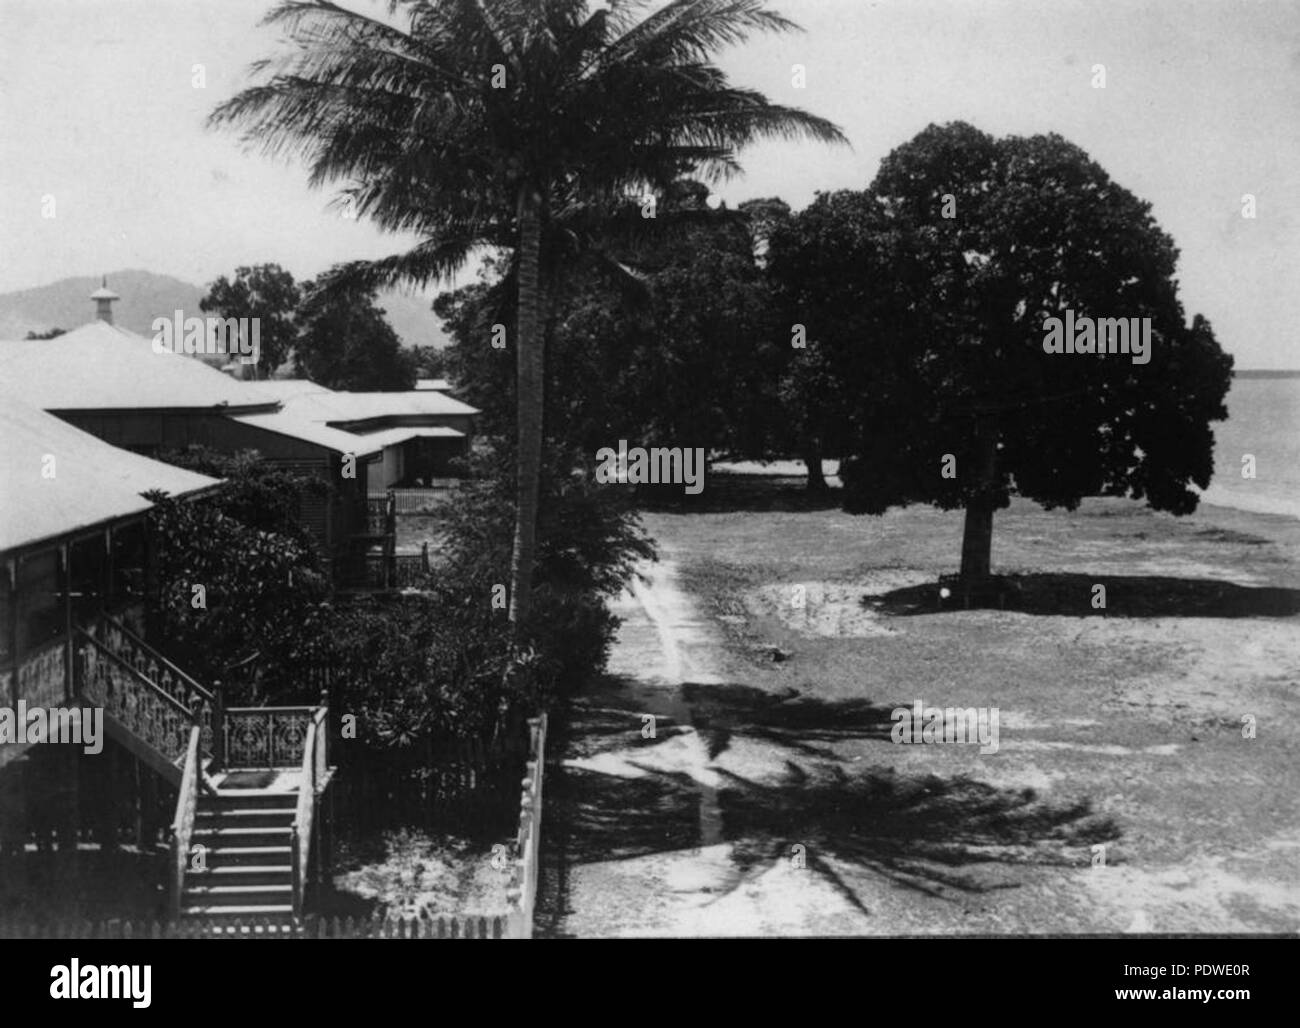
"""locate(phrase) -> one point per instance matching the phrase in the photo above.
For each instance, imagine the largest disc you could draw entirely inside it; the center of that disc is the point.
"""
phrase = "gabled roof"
(92, 482)
(314, 432)
(285, 388)
(102, 367)
(393, 436)
(343, 408)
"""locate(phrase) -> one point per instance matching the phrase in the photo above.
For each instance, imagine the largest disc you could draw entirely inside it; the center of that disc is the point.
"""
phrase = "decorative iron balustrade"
(43, 677)
(159, 671)
(131, 699)
(266, 737)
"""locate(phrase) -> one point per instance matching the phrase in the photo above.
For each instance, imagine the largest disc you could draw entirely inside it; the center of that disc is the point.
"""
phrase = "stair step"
(257, 836)
(226, 856)
(250, 798)
(237, 895)
(242, 817)
(253, 910)
(244, 874)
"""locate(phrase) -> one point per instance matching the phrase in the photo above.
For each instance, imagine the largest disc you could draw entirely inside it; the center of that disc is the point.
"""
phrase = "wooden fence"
(522, 893)
(463, 786)
(458, 926)
(419, 501)
(468, 786)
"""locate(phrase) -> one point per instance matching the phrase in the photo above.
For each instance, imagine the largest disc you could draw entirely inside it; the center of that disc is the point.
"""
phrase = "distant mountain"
(145, 296)
(66, 304)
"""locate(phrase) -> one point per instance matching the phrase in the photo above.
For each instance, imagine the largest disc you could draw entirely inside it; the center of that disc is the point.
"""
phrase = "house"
(73, 546)
(119, 387)
(419, 433)
(75, 557)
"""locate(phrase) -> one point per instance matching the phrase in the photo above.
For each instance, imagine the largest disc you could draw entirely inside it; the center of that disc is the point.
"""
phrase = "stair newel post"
(218, 726)
(323, 737)
(294, 844)
(175, 877)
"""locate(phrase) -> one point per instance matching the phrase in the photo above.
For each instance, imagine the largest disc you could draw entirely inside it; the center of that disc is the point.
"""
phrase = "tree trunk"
(529, 384)
(812, 456)
(977, 542)
(977, 536)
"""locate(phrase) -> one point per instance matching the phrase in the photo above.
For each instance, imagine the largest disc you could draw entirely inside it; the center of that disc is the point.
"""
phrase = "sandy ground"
(645, 889)
(772, 800)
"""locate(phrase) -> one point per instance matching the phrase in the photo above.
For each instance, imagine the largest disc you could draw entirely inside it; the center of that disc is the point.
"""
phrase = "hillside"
(145, 295)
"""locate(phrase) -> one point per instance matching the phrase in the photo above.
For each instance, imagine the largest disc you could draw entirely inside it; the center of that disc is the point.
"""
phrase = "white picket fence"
(522, 894)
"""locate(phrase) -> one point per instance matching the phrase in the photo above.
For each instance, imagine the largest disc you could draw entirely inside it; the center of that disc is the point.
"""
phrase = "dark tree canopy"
(266, 292)
(487, 122)
(929, 294)
(346, 343)
(687, 361)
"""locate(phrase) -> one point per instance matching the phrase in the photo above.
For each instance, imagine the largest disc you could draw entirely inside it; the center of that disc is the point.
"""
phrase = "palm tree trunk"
(529, 384)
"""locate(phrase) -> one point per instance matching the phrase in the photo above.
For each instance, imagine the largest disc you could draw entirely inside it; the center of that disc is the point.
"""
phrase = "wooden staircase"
(241, 864)
(236, 853)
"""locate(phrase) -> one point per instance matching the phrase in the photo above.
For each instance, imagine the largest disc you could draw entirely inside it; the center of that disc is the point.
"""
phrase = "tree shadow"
(789, 719)
(929, 833)
(1055, 594)
(605, 722)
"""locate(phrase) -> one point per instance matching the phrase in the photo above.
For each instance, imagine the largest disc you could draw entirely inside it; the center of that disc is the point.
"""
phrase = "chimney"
(104, 297)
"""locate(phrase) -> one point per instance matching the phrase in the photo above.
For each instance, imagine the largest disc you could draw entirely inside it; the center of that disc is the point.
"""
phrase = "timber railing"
(315, 764)
(183, 825)
(418, 500)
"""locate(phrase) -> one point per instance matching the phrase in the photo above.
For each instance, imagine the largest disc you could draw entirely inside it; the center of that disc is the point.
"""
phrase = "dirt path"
(636, 840)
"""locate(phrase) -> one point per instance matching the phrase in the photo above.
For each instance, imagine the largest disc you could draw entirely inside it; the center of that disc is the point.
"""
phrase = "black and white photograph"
(649, 470)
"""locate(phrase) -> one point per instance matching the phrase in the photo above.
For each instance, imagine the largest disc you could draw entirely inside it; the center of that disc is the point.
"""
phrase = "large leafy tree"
(929, 295)
(686, 361)
(345, 342)
(475, 122)
(266, 292)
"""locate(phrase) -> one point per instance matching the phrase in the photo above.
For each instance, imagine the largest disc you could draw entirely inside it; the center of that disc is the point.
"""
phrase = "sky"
(99, 109)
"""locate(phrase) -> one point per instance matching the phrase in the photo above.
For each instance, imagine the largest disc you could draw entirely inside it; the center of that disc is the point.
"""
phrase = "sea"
(1263, 420)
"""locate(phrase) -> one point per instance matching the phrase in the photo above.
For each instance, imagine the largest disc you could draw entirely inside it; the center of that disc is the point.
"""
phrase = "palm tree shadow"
(936, 835)
(1055, 594)
(790, 719)
(925, 833)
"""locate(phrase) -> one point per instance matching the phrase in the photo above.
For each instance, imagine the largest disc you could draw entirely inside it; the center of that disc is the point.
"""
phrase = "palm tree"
(481, 122)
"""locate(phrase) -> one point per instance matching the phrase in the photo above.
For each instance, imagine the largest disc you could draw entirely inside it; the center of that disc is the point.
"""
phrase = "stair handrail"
(189, 680)
(183, 824)
(300, 837)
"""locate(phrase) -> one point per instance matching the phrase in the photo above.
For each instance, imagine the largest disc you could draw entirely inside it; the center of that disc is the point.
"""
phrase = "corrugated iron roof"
(345, 407)
(102, 367)
(92, 481)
